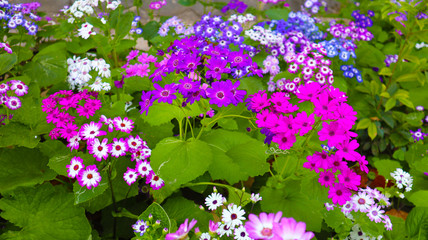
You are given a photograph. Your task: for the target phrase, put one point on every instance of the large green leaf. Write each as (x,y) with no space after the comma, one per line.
(386,167)
(369,56)
(49,66)
(7,61)
(161,113)
(23,167)
(19,135)
(123,25)
(83,194)
(44,212)
(417,223)
(419,198)
(158,213)
(398,229)
(293,203)
(178,162)
(237,156)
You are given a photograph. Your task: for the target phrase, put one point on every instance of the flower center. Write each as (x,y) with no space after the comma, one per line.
(165,93)
(76,167)
(118,148)
(361,201)
(156,178)
(220,95)
(89,176)
(339,192)
(100,148)
(233,216)
(266,232)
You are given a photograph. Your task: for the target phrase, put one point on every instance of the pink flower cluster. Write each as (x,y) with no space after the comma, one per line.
(280,122)
(140,68)
(310,64)
(84,103)
(15,87)
(6,47)
(157,4)
(351,31)
(272,226)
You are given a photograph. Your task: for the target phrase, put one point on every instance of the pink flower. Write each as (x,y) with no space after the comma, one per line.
(130,176)
(89,177)
(346,149)
(99,149)
(123,125)
(326,178)
(303,122)
(76,164)
(339,194)
(182,232)
(262,227)
(288,228)
(333,133)
(155,181)
(349,179)
(284,140)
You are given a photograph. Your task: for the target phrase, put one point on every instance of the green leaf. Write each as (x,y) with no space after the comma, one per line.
(187,3)
(83,194)
(123,25)
(386,167)
(407,77)
(369,56)
(372,130)
(252,85)
(406,102)
(237,156)
(180,209)
(7,61)
(161,113)
(158,213)
(150,30)
(419,198)
(398,229)
(390,104)
(228,124)
(293,203)
(44,212)
(337,220)
(415,118)
(18,135)
(277,13)
(23,167)
(364,123)
(78,45)
(285,165)
(178,162)
(417,223)
(49,66)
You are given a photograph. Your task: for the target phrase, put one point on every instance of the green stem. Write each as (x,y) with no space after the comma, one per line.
(180,126)
(113,199)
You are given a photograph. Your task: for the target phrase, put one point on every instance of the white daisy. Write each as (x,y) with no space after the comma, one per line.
(233,215)
(99,149)
(123,125)
(223,229)
(118,148)
(255,197)
(134,143)
(205,236)
(91,130)
(143,168)
(362,202)
(89,177)
(241,234)
(213,201)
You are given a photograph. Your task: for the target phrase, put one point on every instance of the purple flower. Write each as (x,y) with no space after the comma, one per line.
(217,66)
(165,94)
(187,86)
(146,102)
(238,95)
(220,94)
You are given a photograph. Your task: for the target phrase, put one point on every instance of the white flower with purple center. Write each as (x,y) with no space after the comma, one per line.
(213,201)
(140,227)
(134,143)
(418,135)
(375,213)
(155,181)
(143,168)
(233,215)
(130,176)
(13,103)
(118,148)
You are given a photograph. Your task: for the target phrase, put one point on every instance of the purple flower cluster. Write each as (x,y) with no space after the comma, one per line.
(390,59)
(313,6)
(156,5)
(237,5)
(14,14)
(10,88)
(352,31)
(361,20)
(135,28)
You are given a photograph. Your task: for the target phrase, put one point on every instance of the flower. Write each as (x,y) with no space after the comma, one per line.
(89,177)
(214,200)
(165,94)
(155,181)
(375,213)
(241,234)
(99,149)
(143,168)
(182,231)
(220,94)
(233,215)
(339,194)
(288,228)
(130,176)
(118,148)
(123,125)
(140,227)
(255,197)
(76,164)
(262,227)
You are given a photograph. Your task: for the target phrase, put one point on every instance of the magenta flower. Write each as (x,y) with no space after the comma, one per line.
(89,177)
(284,140)
(182,232)
(146,102)
(123,125)
(165,94)
(346,149)
(339,194)
(118,148)
(99,149)
(76,164)
(217,66)
(288,228)
(333,133)
(326,178)
(91,130)
(68,130)
(349,179)
(303,122)
(262,227)
(130,176)
(220,94)
(257,101)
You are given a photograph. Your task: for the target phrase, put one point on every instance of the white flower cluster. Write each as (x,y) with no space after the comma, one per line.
(86,31)
(79,73)
(178,26)
(242,18)
(358,234)
(265,36)
(421,45)
(402,179)
(82,7)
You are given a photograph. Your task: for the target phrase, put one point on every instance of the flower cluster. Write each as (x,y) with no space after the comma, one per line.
(237,5)
(357,234)
(402,179)
(10,88)
(390,59)
(343,48)
(418,135)
(156,5)
(369,201)
(361,20)
(6,47)
(81,8)
(421,45)
(85,31)
(242,19)
(86,176)
(352,31)
(176,23)
(349,72)
(15,15)
(135,29)
(149,226)
(313,6)
(80,72)
(140,67)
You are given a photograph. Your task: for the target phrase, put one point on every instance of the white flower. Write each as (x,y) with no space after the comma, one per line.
(205,236)
(233,215)
(103,20)
(213,201)
(70,20)
(255,197)
(223,229)
(241,234)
